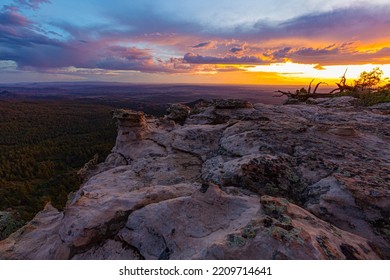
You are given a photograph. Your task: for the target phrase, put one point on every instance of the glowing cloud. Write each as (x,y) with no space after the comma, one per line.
(298,39)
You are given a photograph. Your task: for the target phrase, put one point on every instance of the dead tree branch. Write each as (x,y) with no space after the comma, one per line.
(315,89)
(342,86)
(309,88)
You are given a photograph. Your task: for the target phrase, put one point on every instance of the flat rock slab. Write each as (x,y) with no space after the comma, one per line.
(229,180)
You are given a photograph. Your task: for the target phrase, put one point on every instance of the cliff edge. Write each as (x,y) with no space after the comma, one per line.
(229,180)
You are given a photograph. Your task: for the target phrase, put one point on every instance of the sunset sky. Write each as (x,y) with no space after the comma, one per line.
(188,41)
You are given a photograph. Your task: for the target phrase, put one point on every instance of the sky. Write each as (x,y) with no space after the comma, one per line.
(192,41)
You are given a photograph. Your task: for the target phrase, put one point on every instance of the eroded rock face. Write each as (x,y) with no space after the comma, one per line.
(178,112)
(234,181)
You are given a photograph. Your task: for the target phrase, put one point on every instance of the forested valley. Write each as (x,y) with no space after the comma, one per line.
(43,144)
(45,141)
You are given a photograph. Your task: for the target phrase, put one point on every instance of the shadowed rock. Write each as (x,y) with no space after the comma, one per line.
(235,181)
(232,104)
(178,112)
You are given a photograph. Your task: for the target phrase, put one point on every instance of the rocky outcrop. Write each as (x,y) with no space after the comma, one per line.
(232,181)
(178,112)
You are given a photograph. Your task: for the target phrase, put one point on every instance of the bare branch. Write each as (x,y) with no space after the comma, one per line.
(336,89)
(318,84)
(309,89)
(343,79)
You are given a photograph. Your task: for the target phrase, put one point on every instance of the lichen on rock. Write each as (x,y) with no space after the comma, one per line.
(233,181)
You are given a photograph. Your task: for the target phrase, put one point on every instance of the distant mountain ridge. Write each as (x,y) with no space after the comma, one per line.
(147,93)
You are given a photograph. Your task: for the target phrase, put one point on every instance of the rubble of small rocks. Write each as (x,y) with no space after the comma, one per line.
(229,180)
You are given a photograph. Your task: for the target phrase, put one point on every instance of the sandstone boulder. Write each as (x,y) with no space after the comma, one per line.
(235,181)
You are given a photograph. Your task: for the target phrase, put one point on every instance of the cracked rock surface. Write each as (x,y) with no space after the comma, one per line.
(231,180)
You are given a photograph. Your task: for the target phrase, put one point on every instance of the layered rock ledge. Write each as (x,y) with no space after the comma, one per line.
(229,180)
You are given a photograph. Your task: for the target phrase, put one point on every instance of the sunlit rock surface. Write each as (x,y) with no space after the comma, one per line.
(229,180)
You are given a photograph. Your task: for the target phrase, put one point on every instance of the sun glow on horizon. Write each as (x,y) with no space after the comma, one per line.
(314,71)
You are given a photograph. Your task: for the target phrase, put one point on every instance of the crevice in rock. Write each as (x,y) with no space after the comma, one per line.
(223,152)
(124,157)
(204,187)
(126,245)
(111,228)
(189,153)
(157,143)
(349,252)
(105,231)
(165,255)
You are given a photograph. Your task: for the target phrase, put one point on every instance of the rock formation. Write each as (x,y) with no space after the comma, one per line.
(233,181)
